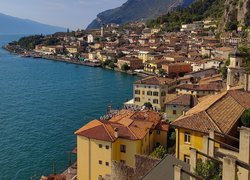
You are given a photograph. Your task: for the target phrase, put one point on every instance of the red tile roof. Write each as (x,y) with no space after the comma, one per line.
(219,112)
(129,124)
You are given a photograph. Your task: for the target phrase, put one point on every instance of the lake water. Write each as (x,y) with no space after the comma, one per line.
(42,103)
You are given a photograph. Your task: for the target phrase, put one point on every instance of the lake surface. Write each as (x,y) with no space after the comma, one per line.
(42,103)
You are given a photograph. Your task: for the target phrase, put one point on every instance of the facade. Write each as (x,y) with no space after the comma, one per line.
(119,139)
(132,62)
(199,90)
(154,65)
(207,64)
(176,68)
(153,90)
(237,75)
(177,105)
(219,112)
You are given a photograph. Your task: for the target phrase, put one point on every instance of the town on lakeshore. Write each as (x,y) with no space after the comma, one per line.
(189,117)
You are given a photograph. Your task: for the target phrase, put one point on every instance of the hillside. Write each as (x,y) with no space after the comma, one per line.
(13,25)
(134,10)
(228,13)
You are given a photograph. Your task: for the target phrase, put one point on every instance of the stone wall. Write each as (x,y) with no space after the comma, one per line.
(143,164)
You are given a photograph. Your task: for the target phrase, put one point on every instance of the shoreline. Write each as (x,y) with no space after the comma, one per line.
(32,54)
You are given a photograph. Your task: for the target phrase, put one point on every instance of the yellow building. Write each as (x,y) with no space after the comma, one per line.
(152,89)
(219,112)
(119,139)
(72,49)
(153,65)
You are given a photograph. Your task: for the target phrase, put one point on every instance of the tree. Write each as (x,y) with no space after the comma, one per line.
(245,118)
(161,72)
(209,170)
(125,67)
(148,105)
(158,152)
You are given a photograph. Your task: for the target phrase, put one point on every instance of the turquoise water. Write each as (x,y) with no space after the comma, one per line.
(42,103)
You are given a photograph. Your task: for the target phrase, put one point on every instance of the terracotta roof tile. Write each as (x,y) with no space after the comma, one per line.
(130,125)
(219,112)
(153,80)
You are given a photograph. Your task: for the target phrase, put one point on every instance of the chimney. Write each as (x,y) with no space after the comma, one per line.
(116,132)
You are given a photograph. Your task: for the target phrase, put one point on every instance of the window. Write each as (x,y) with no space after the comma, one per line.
(158,132)
(123,161)
(100,145)
(187,137)
(123,148)
(163,93)
(155,93)
(149,93)
(158,144)
(186,159)
(137,99)
(174,111)
(143,92)
(100,162)
(107,163)
(137,92)
(107,147)
(155,101)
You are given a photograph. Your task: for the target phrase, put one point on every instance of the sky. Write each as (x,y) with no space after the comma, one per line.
(73,14)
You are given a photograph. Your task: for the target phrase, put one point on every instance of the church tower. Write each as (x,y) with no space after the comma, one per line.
(236,72)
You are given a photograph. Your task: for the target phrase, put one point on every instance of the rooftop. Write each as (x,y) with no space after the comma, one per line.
(132,125)
(154,80)
(219,112)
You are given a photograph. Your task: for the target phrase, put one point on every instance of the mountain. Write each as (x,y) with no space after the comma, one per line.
(229,15)
(134,10)
(14,25)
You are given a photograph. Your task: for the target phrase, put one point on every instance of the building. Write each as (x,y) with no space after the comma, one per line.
(207,64)
(177,105)
(132,62)
(199,90)
(176,69)
(153,65)
(122,137)
(219,112)
(153,89)
(49,49)
(90,38)
(237,74)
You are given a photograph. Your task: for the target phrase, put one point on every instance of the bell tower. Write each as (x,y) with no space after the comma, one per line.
(236,73)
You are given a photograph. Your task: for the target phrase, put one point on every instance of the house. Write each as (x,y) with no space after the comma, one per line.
(199,90)
(176,105)
(153,89)
(230,38)
(207,64)
(132,62)
(202,73)
(153,65)
(90,38)
(223,52)
(122,137)
(49,49)
(176,69)
(220,112)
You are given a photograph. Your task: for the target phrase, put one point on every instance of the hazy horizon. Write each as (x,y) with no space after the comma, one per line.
(73,14)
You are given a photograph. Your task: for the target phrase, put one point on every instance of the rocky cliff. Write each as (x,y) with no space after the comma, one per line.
(134,10)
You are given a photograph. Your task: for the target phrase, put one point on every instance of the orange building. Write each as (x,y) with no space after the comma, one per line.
(176,68)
